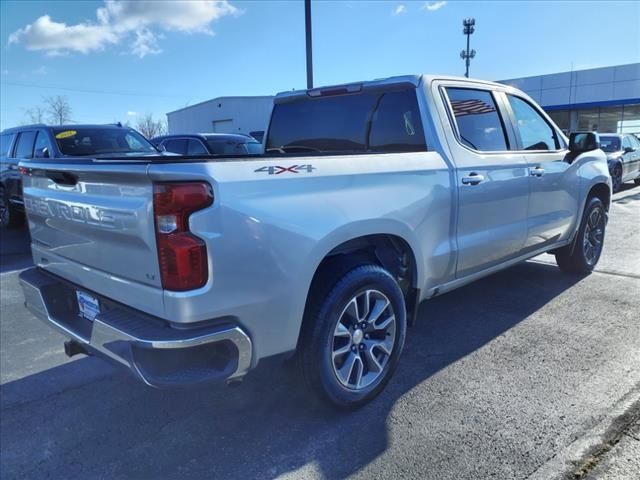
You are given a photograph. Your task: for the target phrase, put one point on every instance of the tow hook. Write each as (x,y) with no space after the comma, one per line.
(71,348)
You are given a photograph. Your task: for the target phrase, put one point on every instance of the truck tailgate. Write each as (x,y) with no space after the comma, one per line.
(96,218)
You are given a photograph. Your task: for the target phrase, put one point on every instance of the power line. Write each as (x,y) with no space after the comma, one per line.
(86,90)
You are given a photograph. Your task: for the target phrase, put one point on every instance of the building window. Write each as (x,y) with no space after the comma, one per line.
(610,119)
(620,119)
(588,120)
(561,119)
(631,119)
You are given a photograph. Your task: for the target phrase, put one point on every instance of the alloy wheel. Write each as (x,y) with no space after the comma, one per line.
(616,179)
(363,339)
(594,236)
(4,210)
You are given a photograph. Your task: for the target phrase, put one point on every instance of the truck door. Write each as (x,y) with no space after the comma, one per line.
(492,182)
(553,182)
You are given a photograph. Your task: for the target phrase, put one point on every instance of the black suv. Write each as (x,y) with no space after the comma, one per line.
(209,144)
(38,142)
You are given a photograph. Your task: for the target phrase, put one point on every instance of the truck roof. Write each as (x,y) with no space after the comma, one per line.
(413,80)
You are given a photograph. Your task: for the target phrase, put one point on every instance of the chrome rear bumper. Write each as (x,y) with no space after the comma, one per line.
(154,351)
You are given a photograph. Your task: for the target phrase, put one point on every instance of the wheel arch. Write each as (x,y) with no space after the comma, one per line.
(601,191)
(391,251)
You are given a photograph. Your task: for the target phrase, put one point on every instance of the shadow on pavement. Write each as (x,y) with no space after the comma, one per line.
(111,426)
(15,249)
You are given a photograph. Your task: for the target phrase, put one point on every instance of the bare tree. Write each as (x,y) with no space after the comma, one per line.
(149,127)
(58,108)
(36,115)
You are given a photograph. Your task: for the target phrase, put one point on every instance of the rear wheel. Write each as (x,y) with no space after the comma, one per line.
(353,337)
(589,242)
(616,178)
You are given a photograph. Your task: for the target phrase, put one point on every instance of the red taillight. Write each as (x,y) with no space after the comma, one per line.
(182,255)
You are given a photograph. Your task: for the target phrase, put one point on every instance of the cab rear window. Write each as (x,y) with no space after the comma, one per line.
(363,122)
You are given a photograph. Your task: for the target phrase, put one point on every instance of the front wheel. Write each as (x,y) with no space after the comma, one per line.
(589,241)
(352,339)
(616,178)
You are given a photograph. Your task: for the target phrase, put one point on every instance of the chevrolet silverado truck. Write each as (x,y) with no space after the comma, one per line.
(369,199)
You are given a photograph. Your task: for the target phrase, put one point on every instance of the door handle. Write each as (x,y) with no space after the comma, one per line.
(536,171)
(472,179)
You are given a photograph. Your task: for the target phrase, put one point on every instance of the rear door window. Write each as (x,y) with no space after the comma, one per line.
(362,122)
(25,145)
(477,118)
(176,145)
(6,141)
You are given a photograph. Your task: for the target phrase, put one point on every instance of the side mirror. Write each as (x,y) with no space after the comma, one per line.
(161,148)
(580,142)
(629,149)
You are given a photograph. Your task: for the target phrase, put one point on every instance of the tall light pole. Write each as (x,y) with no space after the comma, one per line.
(307,28)
(467,55)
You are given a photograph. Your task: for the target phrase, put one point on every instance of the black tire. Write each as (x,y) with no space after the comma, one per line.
(616,178)
(9,216)
(318,358)
(582,260)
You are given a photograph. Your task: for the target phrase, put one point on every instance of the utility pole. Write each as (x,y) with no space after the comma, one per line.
(469,28)
(307,27)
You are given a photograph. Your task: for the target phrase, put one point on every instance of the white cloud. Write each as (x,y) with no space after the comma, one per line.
(56,38)
(433,6)
(42,70)
(131,114)
(146,43)
(399,9)
(183,16)
(122,20)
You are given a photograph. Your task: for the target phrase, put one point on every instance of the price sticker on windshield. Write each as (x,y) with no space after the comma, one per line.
(66,134)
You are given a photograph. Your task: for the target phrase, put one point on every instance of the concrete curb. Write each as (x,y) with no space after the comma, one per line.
(565,461)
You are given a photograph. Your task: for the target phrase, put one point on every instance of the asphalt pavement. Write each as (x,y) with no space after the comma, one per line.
(528,373)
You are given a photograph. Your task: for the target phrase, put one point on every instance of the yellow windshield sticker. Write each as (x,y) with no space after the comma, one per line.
(66,134)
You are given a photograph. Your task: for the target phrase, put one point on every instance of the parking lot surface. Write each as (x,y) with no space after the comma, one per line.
(498,379)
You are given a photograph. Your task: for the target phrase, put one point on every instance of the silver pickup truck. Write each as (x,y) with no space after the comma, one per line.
(370,198)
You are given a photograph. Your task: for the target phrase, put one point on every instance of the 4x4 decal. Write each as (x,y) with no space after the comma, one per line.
(277,170)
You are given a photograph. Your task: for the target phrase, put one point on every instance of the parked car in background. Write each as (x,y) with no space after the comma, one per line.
(37,142)
(209,144)
(623,157)
(370,198)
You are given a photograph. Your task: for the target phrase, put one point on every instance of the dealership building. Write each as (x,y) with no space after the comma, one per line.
(603,99)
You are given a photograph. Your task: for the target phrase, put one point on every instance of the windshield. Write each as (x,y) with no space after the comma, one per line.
(234,147)
(81,141)
(610,144)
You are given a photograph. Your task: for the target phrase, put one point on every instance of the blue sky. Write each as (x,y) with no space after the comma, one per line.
(118,60)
